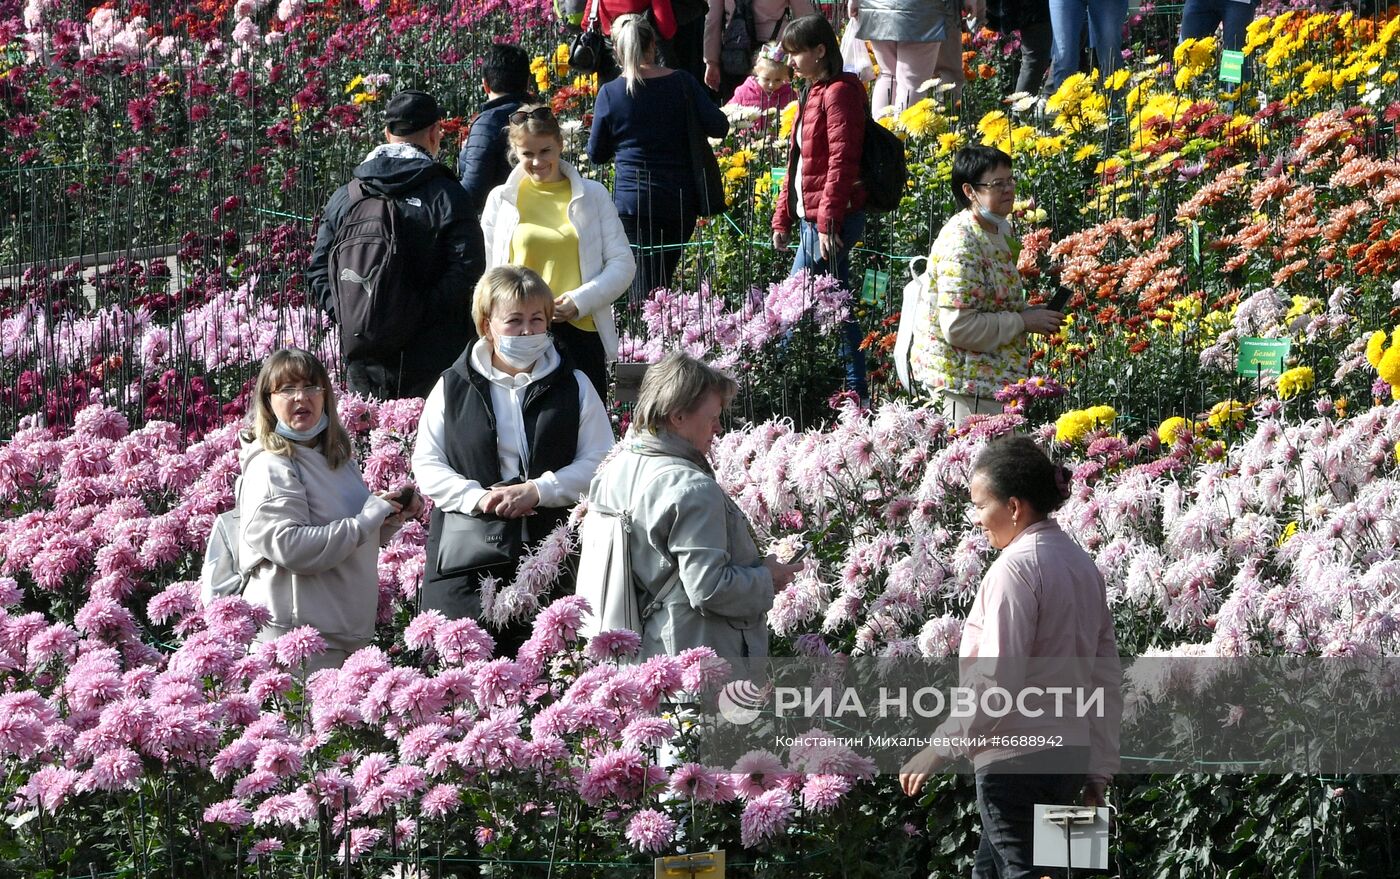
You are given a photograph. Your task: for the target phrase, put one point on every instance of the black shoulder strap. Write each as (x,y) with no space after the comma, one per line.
(778,25)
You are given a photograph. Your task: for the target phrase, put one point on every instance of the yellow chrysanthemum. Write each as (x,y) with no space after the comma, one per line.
(995,129)
(1375,347)
(923,119)
(1389,366)
(1289,531)
(786,120)
(353,84)
(1197,53)
(1295,381)
(1086,152)
(539,68)
(1102,416)
(1072,426)
(1171,429)
(1226,413)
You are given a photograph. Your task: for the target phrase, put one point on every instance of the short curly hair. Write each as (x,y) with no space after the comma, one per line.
(1014,466)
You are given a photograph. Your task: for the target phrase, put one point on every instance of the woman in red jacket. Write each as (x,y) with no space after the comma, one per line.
(823,188)
(609,11)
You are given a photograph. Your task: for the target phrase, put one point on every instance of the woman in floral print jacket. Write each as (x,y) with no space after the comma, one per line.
(970,331)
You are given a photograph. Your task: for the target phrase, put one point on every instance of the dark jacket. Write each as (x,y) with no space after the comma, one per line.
(551,411)
(483,163)
(833,137)
(647,135)
(444,257)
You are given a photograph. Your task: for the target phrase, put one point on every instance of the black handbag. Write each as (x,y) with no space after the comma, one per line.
(709,183)
(589,50)
(471,542)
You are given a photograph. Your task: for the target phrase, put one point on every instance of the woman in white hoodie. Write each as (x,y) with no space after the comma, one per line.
(511,432)
(310,530)
(548,218)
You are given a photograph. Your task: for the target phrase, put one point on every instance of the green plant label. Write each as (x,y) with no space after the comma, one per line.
(1196,242)
(1261,357)
(875,287)
(778,175)
(1232,66)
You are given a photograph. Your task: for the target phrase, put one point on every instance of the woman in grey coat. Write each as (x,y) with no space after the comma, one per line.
(700,577)
(914,41)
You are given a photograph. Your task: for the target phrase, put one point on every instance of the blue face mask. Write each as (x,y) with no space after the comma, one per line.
(301,436)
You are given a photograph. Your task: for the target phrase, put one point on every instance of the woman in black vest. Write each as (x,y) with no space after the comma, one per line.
(511,432)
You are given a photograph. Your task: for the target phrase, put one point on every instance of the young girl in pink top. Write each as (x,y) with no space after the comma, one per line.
(769,87)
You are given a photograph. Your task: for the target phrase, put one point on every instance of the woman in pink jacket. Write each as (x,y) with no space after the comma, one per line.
(1040,622)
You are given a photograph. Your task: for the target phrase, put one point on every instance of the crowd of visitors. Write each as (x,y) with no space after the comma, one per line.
(490,292)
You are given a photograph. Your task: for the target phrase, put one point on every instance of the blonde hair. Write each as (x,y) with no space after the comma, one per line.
(776,65)
(508,285)
(280,367)
(532,127)
(634,39)
(675,386)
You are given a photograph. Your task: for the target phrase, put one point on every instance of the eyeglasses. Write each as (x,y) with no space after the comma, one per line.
(289,392)
(1003,183)
(543,114)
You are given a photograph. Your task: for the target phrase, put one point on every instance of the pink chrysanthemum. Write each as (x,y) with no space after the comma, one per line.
(765,816)
(299,645)
(822,793)
(614,644)
(441,800)
(230,812)
(263,847)
(650,831)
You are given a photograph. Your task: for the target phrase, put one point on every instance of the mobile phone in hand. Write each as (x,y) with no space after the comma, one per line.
(800,554)
(405,496)
(1060,299)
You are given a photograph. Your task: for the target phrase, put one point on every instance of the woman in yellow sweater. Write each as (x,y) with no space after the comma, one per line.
(548,218)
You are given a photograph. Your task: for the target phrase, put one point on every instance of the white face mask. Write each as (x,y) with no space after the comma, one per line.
(521,352)
(1000,221)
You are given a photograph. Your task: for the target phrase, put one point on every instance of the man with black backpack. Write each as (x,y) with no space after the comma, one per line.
(397,254)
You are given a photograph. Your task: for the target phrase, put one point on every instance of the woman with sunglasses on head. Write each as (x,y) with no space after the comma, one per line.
(970,330)
(641,120)
(548,218)
(310,530)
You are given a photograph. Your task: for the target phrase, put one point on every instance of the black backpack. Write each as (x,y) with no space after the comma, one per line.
(376,311)
(882,167)
(736,45)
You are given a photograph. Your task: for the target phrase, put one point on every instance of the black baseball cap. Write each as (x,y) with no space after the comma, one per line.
(411,110)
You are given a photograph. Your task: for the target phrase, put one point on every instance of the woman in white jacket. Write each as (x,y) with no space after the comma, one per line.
(310,530)
(546,217)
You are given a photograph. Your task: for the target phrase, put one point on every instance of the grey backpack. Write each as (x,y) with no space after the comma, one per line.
(221,575)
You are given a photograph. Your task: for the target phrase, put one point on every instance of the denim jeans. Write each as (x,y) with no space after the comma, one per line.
(1006,799)
(809,257)
(1200,18)
(1106,18)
